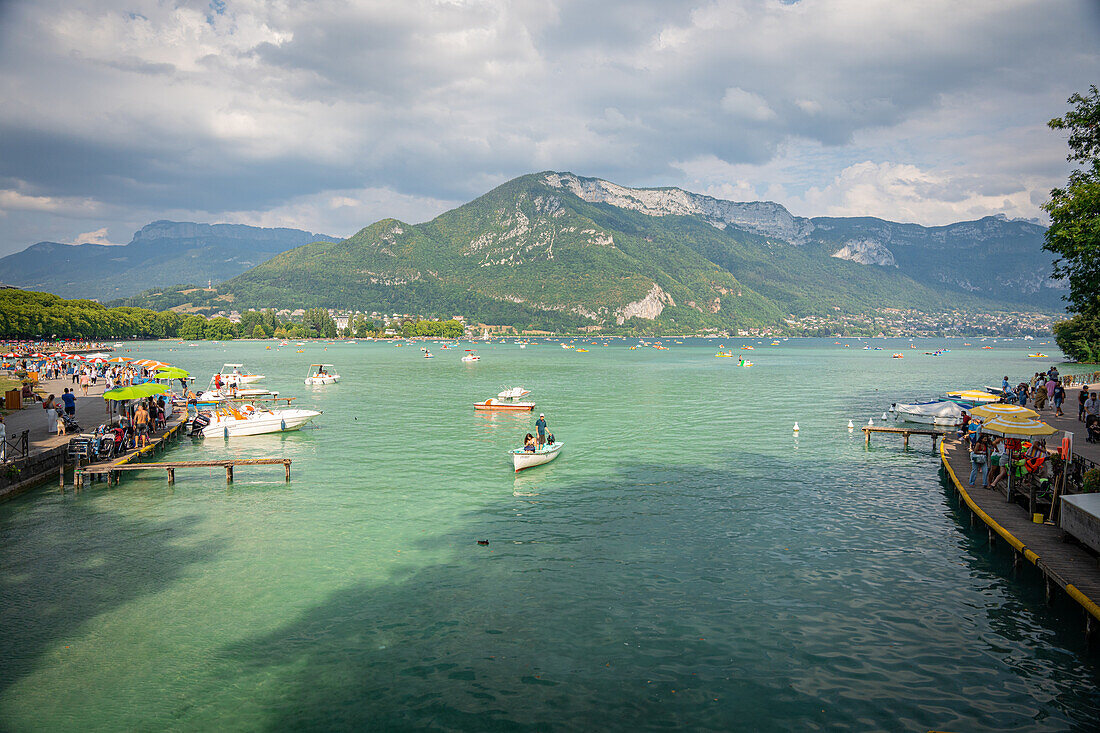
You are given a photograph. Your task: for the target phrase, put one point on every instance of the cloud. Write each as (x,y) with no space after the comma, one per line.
(255,109)
(99,236)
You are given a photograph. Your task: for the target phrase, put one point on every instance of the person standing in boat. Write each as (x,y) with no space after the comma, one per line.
(540,428)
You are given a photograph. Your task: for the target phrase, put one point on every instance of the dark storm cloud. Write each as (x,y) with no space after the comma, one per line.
(250,106)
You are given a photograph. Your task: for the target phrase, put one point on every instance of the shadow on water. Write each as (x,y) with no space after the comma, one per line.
(57,575)
(637,607)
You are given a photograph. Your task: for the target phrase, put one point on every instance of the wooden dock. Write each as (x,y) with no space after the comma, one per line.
(1063,565)
(905,433)
(112,469)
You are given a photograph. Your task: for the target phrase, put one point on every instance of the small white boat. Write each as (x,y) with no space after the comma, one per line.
(522,459)
(428,354)
(232,420)
(513,393)
(944,413)
(471,357)
(226,394)
(232,373)
(320,374)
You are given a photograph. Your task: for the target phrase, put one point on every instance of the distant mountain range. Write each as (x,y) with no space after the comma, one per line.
(161,253)
(559,251)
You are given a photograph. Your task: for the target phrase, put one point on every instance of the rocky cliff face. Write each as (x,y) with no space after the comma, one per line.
(758,217)
(866,252)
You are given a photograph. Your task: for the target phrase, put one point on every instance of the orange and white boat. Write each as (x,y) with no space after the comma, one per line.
(495,405)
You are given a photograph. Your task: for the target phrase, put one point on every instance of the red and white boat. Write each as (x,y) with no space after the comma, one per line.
(493,405)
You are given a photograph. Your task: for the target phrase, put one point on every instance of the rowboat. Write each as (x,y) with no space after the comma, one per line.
(522,459)
(495,405)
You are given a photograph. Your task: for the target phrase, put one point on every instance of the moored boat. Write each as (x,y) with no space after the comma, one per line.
(234,420)
(522,459)
(938,412)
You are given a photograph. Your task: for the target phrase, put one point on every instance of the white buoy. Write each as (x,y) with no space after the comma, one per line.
(851,426)
(796,427)
(870,421)
(884,416)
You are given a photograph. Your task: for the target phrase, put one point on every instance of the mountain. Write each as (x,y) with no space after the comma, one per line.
(161,253)
(560,251)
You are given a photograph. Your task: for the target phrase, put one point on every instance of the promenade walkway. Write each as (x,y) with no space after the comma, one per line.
(90,412)
(1070,423)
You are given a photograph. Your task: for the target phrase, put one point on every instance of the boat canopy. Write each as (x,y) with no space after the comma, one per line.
(320,365)
(943,408)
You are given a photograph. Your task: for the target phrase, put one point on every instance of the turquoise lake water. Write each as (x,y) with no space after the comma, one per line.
(686,563)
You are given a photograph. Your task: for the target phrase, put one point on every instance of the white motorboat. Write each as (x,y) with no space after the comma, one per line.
(226,394)
(321,374)
(943,413)
(513,393)
(234,373)
(471,357)
(428,354)
(522,459)
(234,420)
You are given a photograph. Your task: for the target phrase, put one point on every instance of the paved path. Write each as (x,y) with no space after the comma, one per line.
(90,412)
(1069,422)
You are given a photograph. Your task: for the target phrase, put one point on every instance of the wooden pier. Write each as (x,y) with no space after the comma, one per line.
(905,433)
(113,469)
(1063,565)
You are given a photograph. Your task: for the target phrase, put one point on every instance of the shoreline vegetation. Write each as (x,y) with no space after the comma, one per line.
(36,315)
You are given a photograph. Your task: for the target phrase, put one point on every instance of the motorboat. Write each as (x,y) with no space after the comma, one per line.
(898,356)
(1040,355)
(471,357)
(726,354)
(428,354)
(234,373)
(320,374)
(943,413)
(495,405)
(522,459)
(233,420)
(214,397)
(513,393)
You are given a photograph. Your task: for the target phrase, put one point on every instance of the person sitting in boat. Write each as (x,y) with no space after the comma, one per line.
(529,443)
(321,370)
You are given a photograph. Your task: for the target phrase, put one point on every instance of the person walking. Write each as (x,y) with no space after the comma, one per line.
(979,461)
(141,422)
(69,398)
(48,406)
(1082,397)
(85,379)
(1092,406)
(540,427)
(1058,397)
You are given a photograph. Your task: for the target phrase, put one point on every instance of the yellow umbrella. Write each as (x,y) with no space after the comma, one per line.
(988,412)
(1017,426)
(974,395)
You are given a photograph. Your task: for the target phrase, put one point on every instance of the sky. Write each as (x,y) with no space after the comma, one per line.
(329,115)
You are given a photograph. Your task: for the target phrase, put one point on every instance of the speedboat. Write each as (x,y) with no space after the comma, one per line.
(938,412)
(495,405)
(428,354)
(727,354)
(233,373)
(319,374)
(513,393)
(522,459)
(471,357)
(215,397)
(234,420)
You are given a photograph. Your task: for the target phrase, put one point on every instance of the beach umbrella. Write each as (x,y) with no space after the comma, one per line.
(988,412)
(974,395)
(10,355)
(148,389)
(172,373)
(37,355)
(97,360)
(124,393)
(119,360)
(1017,426)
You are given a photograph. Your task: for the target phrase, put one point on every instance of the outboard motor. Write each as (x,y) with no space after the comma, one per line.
(201,421)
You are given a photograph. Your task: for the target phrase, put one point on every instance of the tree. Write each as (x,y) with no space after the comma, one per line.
(1074,233)
(258,332)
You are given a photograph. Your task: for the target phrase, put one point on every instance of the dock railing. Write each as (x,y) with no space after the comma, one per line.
(15,447)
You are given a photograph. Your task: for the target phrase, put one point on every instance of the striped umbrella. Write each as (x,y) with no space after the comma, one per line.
(119,360)
(988,412)
(1016,426)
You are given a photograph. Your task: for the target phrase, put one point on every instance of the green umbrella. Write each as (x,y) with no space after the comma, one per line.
(124,393)
(172,373)
(148,389)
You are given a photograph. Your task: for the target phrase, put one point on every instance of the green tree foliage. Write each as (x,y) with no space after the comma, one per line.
(1074,234)
(258,332)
